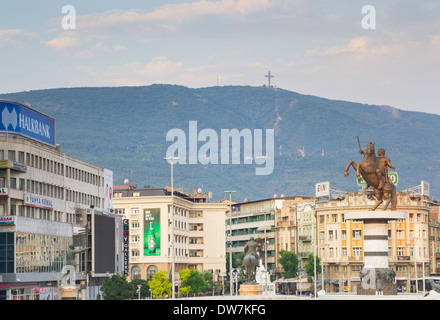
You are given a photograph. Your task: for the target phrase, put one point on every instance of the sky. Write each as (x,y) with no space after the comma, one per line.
(327,48)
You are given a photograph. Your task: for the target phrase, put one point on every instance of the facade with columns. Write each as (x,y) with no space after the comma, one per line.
(341,244)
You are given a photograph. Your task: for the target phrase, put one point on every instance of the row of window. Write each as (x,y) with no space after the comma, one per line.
(32,252)
(51,166)
(357,234)
(357,251)
(335,218)
(32,212)
(34,187)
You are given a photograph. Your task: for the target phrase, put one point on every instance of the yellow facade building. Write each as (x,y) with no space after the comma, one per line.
(340,241)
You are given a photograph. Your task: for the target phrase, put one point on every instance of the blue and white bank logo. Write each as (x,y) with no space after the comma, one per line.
(20,119)
(9,118)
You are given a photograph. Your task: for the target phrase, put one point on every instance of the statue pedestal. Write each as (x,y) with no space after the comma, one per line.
(69,292)
(250,290)
(377,278)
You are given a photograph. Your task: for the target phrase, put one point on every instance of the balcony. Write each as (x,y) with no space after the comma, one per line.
(356,259)
(305,238)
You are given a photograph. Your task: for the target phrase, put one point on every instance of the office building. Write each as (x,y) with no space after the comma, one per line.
(41,191)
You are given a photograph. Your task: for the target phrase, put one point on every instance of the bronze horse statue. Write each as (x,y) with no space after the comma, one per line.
(368,167)
(250,260)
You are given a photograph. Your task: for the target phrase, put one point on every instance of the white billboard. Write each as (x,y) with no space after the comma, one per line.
(322,189)
(108,190)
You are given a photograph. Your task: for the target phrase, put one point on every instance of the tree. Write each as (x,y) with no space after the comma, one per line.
(145,292)
(196,281)
(117,288)
(309,266)
(160,285)
(185,288)
(289,261)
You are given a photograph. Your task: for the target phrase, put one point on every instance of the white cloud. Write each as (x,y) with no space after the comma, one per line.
(356,45)
(174,13)
(15,38)
(64,42)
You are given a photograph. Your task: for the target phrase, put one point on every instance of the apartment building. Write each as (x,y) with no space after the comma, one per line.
(272,220)
(199,230)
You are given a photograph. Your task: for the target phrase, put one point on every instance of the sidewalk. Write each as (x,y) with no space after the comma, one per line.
(322,297)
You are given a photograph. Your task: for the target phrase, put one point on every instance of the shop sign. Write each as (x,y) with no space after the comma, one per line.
(38,202)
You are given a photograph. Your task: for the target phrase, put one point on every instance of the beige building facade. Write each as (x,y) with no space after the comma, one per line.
(199,231)
(340,241)
(294,222)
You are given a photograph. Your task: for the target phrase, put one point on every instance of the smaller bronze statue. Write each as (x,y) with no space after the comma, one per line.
(251,260)
(384,163)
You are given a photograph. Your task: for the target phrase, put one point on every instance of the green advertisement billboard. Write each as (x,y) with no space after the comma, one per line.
(394,178)
(151,232)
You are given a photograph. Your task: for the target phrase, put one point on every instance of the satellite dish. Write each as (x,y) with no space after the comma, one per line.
(126,181)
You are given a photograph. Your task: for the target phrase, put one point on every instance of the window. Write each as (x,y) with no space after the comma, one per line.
(7,250)
(21,184)
(330,234)
(151,270)
(13,183)
(344,251)
(135,225)
(11,155)
(135,272)
(357,234)
(400,251)
(357,251)
(21,156)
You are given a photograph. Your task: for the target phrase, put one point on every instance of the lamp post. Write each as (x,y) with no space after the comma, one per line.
(139,291)
(230,240)
(423,264)
(409,269)
(315,243)
(171,162)
(325,249)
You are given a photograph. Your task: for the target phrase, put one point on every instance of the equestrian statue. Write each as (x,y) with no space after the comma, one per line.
(374,170)
(250,260)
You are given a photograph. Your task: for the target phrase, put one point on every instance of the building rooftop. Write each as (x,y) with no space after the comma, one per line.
(131,190)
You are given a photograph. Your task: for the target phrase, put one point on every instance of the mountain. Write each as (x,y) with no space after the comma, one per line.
(124,129)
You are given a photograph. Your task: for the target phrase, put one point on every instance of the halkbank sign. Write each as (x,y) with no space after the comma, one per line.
(20,119)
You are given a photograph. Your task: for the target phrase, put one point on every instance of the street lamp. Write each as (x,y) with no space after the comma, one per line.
(171,162)
(230,239)
(415,266)
(324,247)
(139,291)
